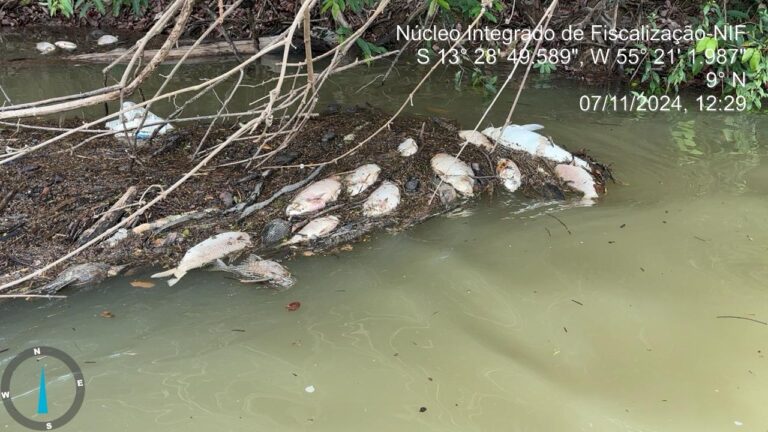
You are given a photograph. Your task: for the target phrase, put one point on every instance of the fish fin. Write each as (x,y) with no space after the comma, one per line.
(54,287)
(164,274)
(532,127)
(219,265)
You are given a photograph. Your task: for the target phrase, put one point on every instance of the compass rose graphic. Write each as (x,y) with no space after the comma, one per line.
(7,396)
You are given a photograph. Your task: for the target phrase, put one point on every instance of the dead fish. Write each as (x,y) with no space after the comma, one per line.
(45,47)
(315,229)
(207,251)
(509,174)
(577,178)
(255,269)
(524,138)
(314,197)
(408,148)
(65,45)
(106,40)
(383,200)
(454,172)
(476,138)
(81,275)
(361,178)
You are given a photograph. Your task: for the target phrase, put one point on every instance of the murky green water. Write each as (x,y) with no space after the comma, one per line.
(499,318)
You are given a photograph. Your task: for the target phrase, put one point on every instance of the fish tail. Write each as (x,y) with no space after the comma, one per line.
(179,275)
(164,274)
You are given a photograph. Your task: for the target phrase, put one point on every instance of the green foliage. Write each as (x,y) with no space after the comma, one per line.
(714,62)
(83,7)
(338,6)
(485,81)
(367,48)
(545,67)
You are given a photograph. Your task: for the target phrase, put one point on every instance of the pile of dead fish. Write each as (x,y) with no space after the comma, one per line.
(456,176)
(571,170)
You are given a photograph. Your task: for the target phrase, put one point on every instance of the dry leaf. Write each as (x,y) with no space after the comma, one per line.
(142,284)
(106,314)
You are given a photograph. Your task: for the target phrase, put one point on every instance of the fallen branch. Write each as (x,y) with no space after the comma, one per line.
(162,224)
(109,218)
(284,190)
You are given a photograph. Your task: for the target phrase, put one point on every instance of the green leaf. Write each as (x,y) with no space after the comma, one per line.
(754,62)
(733,13)
(698,65)
(432,8)
(747,55)
(99,6)
(712,45)
(701,45)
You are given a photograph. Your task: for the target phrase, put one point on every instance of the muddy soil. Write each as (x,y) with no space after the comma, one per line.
(56,194)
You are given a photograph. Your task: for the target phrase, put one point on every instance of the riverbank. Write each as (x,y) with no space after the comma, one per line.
(57,195)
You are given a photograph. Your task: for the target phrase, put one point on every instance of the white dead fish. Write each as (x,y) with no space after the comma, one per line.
(314,197)
(476,138)
(509,174)
(65,45)
(361,178)
(454,172)
(255,269)
(524,138)
(383,200)
(408,148)
(315,229)
(207,251)
(106,40)
(45,47)
(577,178)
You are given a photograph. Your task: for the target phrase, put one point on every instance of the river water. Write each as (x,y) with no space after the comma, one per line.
(625,316)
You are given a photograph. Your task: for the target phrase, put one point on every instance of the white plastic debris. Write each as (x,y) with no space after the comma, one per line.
(130,120)
(524,138)
(454,172)
(45,47)
(309,389)
(509,174)
(408,148)
(106,40)
(349,138)
(361,178)
(65,45)
(383,200)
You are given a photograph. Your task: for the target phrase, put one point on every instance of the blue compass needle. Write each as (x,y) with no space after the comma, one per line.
(42,398)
